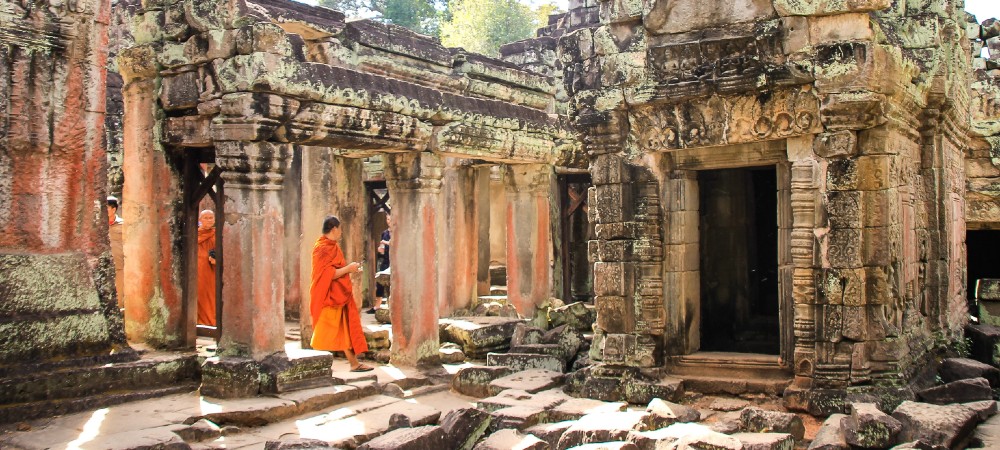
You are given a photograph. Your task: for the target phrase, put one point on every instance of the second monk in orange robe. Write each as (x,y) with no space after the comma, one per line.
(335,317)
(206,268)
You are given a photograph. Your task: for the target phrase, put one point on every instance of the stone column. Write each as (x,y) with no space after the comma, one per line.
(498,218)
(414,181)
(154,310)
(253,266)
(331,184)
(459,267)
(529,236)
(483,208)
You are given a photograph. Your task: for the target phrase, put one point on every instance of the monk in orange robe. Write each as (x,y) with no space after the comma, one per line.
(206,268)
(335,317)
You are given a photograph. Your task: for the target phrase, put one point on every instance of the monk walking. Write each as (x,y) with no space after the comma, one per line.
(117,254)
(206,268)
(335,317)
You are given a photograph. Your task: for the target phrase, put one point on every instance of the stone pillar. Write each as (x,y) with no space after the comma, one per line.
(498,218)
(154,309)
(253,258)
(460,250)
(414,181)
(483,209)
(331,184)
(529,236)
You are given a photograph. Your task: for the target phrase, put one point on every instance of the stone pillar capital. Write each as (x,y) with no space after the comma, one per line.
(532,178)
(414,171)
(138,63)
(253,165)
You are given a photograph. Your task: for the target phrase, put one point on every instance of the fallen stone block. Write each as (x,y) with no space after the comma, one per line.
(517,417)
(663,413)
(868,427)
(576,408)
(530,381)
(961,391)
(727,423)
(607,446)
(451,355)
(201,430)
(298,444)
(511,440)
(525,361)
(918,445)
(756,420)
(946,425)
(550,432)
(602,427)
(475,381)
(540,349)
(377,339)
(690,435)
(306,369)
(479,336)
(766,441)
(420,438)
(516,397)
(640,391)
(569,339)
(577,315)
(525,334)
(230,377)
(397,421)
(383,316)
(954,369)
(984,409)
(393,390)
(985,343)
(465,426)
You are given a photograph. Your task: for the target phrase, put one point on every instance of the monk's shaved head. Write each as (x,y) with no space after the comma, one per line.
(207,212)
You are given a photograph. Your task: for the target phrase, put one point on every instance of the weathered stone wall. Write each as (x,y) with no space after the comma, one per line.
(863,110)
(56,274)
(119,37)
(982,157)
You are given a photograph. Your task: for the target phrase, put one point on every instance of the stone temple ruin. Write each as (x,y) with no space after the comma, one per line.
(789,197)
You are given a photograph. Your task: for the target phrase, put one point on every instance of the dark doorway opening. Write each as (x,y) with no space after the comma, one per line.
(378,211)
(739,260)
(983,247)
(576,232)
(204,191)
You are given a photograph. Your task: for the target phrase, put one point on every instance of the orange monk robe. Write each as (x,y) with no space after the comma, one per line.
(206,277)
(335,317)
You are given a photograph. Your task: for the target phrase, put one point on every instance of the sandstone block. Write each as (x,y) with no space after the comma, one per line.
(602,427)
(465,426)
(451,355)
(475,381)
(961,391)
(297,444)
(307,369)
(230,377)
(607,446)
(526,334)
(480,335)
(868,427)
(511,439)
(954,369)
(830,436)
(525,361)
(948,425)
(663,413)
(766,441)
(984,409)
(518,417)
(576,408)
(516,397)
(201,430)
(550,432)
(531,381)
(578,316)
(758,420)
(430,437)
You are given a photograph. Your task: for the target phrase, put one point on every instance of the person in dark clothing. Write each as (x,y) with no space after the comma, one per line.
(381,292)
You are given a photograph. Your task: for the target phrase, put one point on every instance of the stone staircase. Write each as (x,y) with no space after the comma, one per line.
(65,388)
(730,373)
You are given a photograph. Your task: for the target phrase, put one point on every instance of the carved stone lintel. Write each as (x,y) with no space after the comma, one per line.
(254,165)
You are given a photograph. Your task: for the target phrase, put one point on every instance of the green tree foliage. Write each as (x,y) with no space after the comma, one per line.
(482,26)
(418,15)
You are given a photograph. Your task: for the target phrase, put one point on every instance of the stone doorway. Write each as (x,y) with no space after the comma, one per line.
(739,260)
(204,191)
(575,232)
(982,246)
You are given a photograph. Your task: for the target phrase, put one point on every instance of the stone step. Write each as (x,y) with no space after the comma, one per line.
(75,389)
(498,290)
(730,373)
(483,299)
(258,411)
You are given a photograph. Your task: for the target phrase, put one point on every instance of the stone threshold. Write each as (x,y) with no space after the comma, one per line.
(730,373)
